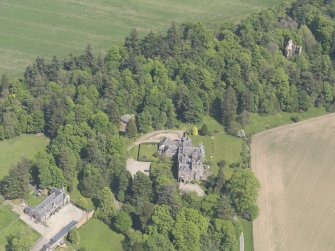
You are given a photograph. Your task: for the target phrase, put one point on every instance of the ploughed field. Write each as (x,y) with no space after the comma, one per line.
(296,168)
(29,28)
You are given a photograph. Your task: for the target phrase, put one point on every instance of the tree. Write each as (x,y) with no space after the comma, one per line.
(224,233)
(106,208)
(20,241)
(67,161)
(158,242)
(122,222)
(229,106)
(131,128)
(142,187)
(162,221)
(73,236)
(243,189)
(15,184)
(204,130)
(190,225)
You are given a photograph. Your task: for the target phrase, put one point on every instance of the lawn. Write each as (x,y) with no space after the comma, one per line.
(147,151)
(97,236)
(259,123)
(10,224)
(76,196)
(12,150)
(48,27)
(246,227)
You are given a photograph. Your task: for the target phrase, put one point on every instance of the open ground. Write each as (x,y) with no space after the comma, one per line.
(295,166)
(47,27)
(12,150)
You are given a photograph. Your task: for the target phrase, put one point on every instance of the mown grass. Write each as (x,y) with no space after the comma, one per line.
(11,224)
(246,228)
(147,151)
(47,27)
(24,146)
(97,236)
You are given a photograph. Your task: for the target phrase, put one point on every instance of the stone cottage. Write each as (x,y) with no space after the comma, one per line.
(56,200)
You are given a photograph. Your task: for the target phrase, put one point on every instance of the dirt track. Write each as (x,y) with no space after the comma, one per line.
(296,167)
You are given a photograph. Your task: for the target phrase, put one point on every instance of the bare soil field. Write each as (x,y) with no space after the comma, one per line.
(296,168)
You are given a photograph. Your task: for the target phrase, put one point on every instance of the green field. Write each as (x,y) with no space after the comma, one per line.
(12,150)
(10,224)
(260,123)
(97,236)
(47,27)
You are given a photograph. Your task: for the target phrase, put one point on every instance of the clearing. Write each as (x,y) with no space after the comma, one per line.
(96,235)
(295,166)
(47,27)
(24,146)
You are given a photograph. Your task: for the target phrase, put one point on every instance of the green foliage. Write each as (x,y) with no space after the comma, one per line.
(225,233)
(106,209)
(162,221)
(11,226)
(15,184)
(190,225)
(142,186)
(157,242)
(122,222)
(229,106)
(20,241)
(73,236)
(204,130)
(131,129)
(243,188)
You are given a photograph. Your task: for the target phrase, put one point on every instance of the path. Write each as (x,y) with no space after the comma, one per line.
(242,242)
(156,136)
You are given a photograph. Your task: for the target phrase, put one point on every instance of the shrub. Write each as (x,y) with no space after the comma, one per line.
(234,165)
(204,130)
(296,118)
(222,163)
(122,222)
(73,236)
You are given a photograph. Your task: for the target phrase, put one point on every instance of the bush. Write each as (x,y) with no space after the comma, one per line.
(204,130)
(234,165)
(73,236)
(156,154)
(296,118)
(222,163)
(122,222)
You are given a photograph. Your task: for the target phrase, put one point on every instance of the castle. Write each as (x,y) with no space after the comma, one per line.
(190,158)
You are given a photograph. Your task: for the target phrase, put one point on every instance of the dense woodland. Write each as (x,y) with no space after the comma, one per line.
(165,79)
